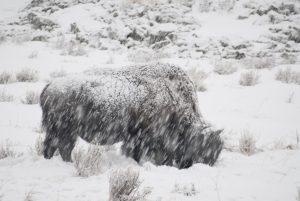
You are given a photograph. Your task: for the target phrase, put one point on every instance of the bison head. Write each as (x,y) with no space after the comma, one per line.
(199,145)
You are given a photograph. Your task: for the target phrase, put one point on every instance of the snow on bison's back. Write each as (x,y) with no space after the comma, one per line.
(151,108)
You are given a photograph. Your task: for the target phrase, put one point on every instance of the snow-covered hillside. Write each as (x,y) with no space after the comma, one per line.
(243,56)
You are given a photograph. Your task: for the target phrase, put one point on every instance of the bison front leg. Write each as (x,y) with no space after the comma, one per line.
(132,149)
(66,145)
(50,145)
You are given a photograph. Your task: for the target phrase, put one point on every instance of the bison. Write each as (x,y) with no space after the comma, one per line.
(152,109)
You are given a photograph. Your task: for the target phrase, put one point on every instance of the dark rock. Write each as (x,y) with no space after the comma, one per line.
(115,14)
(241,46)
(40,38)
(135,36)
(40,23)
(74,28)
(81,39)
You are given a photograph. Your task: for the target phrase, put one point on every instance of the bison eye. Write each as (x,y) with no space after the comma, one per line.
(171,77)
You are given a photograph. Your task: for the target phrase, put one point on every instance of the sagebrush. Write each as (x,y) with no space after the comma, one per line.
(5,97)
(249,78)
(288,76)
(6,150)
(31,97)
(186,190)
(27,75)
(6,77)
(198,78)
(124,185)
(247,143)
(224,68)
(88,162)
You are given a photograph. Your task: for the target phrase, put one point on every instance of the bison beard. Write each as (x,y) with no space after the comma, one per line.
(151,108)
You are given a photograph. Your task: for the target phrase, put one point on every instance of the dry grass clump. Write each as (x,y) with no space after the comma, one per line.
(266,62)
(247,143)
(6,150)
(186,190)
(88,162)
(27,75)
(58,73)
(198,77)
(74,48)
(289,58)
(29,196)
(224,68)
(124,185)
(31,97)
(6,77)
(281,144)
(5,97)
(144,55)
(260,62)
(216,5)
(249,78)
(39,145)
(288,76)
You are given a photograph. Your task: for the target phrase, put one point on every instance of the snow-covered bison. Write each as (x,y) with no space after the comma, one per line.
(151,108)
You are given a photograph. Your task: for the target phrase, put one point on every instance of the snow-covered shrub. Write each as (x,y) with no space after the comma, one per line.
(31,97)
(58,73)
(124,185)
(21,38)
(288,76)
(247,143)
(5,77)
(88,162)
(260,62)
(27,75)
(6,150)
(186,190)
(5,97)
(278,145)
(198,78)
(39,145)
(214,5)
(146,55)
(60,41)
(281,144)
(249,78)
(289,58)
(126,3)
(224,68)
(74,48)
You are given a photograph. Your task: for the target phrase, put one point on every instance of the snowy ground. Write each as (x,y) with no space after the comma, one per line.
(269,110)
